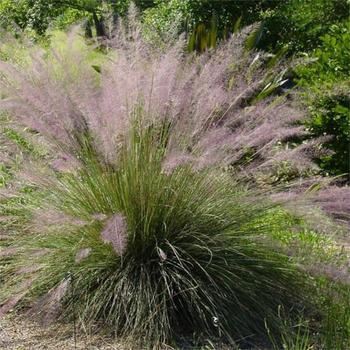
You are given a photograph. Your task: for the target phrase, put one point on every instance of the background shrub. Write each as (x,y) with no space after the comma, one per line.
(300,24)
(326,79)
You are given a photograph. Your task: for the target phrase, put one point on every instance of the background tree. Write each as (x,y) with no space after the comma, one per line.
(37,15)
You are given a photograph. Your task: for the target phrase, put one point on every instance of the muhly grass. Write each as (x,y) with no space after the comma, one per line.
(154,256)
(146,214)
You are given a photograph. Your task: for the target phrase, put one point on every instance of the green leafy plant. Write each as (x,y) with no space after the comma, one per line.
(300,24)
(326,80)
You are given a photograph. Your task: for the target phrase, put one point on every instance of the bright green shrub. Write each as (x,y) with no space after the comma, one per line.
(327,84)
(13,12)
(28,14)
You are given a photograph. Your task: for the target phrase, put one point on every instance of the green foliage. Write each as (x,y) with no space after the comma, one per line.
(331,59)
(38,15)
(165,17)
(196,17)
(333,332)
(29,14)
(301,23)
(11,11)
(329,327)
(331,116)
(293,336)
(69,17)
(203,38)
(327,82)
(334,301)
(297,24)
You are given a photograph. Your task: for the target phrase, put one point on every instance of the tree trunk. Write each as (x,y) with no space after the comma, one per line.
(100,30)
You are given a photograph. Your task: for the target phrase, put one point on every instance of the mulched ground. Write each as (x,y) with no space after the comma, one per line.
(17,333)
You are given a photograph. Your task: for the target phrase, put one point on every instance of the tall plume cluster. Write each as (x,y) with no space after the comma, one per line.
(212,103)
(208,100)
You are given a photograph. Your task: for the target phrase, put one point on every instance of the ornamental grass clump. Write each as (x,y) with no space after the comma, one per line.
(131,219)
(151,255)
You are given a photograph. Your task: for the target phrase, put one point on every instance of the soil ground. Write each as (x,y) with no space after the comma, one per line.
(17,333)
